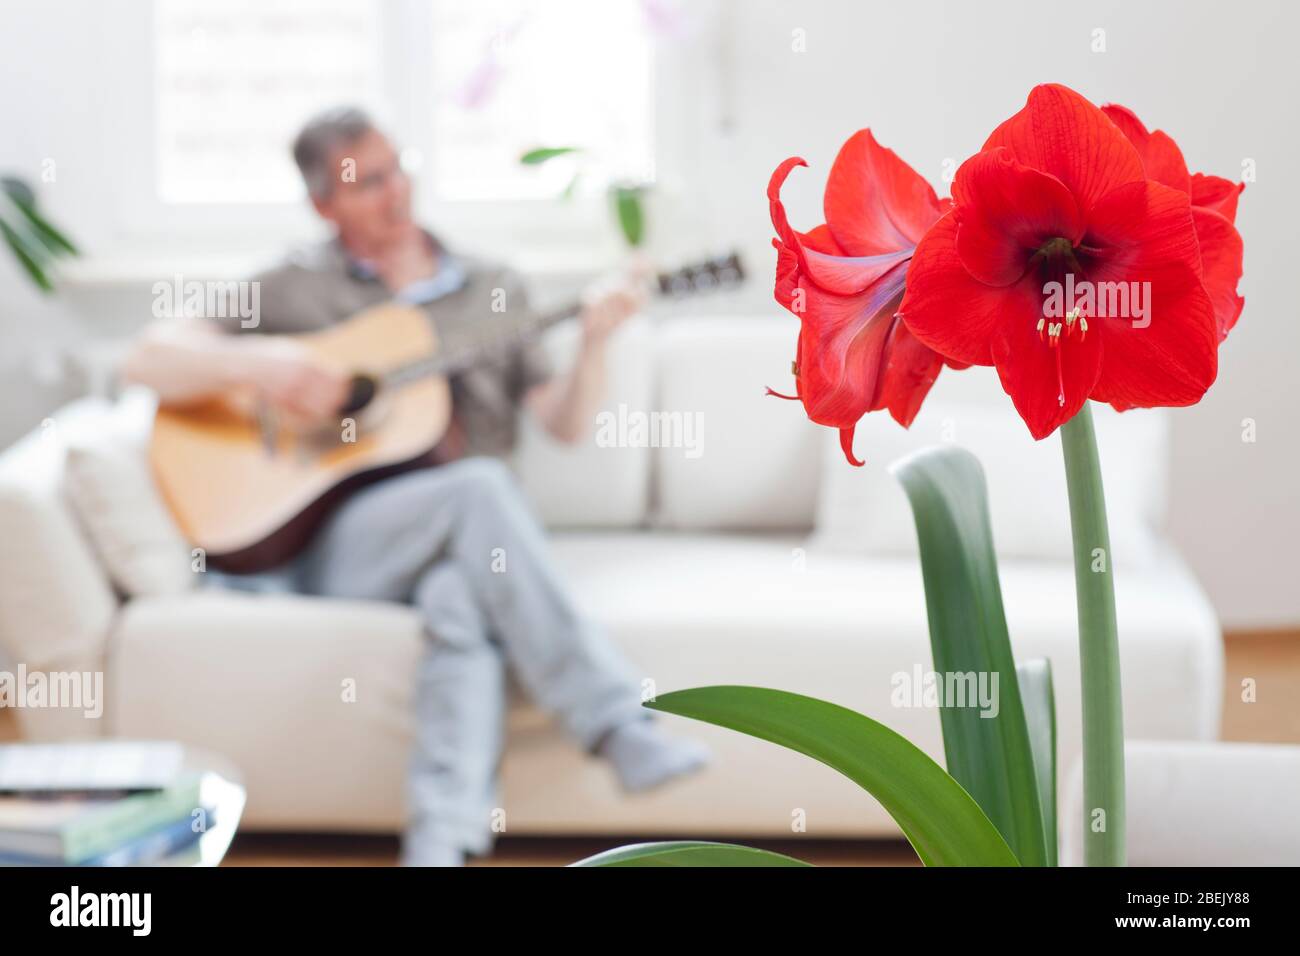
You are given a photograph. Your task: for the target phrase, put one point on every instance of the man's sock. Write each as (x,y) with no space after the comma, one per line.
(645,757)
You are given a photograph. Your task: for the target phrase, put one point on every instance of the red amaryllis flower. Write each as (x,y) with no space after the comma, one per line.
(1214,210)
(844,281)
(1058,203)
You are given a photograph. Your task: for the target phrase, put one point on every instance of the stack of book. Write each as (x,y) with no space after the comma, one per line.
(99,804)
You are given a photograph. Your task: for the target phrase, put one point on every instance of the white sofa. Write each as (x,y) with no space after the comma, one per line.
(698,565)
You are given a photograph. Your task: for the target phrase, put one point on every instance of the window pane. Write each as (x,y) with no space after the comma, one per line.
(236,79)
(512,75)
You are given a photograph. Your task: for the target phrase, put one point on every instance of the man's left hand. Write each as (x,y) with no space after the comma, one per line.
(606,306)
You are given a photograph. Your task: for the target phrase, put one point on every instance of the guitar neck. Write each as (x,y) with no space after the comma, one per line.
(712,274)
(444,365)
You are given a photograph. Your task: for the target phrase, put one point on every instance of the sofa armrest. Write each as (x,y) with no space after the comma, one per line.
(1200,804)
(56,604)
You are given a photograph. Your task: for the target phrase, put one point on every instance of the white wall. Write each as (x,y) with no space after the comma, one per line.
(931,78)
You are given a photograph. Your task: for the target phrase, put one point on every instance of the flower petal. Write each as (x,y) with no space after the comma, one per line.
(1061,133)
(817,254)
(774,185)
(950,311)
(1216,193)
(1047,384)
(875,203)
(841,349)
(846,443)
(819,239)
(1005,211)
(1161,158)
(787,273)
(1143,233)
(850,275)
(910,371)
(1221,253)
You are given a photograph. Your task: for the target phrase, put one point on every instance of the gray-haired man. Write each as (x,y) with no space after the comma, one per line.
(428,538)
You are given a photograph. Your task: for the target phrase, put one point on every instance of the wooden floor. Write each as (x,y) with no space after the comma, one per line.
(1266,665)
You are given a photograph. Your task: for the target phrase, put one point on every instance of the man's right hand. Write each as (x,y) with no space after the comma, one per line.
(190,360)
(295,382)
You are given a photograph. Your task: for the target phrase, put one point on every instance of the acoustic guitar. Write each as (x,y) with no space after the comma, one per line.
(251,491)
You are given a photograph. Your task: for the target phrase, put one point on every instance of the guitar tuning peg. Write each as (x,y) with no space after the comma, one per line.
(718,272)
(726,270)
(738,265)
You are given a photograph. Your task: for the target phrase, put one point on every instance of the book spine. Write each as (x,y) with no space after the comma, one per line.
(128,819)
(152,846)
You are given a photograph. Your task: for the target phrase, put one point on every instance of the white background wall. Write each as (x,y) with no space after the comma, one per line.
(931,79)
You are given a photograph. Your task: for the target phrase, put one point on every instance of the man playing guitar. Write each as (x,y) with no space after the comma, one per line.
(430,537)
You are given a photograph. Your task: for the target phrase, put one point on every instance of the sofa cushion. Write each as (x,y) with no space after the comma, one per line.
(118,504)
(593,484)
(754,461)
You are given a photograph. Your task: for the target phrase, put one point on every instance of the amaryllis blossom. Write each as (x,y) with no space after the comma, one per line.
(844,280)
(1059,196)
(1214,212)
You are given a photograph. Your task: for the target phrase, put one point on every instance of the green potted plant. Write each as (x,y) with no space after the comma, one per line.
(35,242)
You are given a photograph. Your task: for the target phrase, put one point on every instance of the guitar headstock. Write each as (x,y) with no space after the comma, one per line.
(720,272)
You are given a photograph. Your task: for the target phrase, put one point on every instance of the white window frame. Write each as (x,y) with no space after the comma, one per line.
(500,227)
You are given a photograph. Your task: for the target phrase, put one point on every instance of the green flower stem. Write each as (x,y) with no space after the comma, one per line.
(1103,712)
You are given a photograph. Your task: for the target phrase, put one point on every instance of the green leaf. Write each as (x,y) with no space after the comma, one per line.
(631,216)
(1040,714)
(535,157)
(988,755)
(688,853)
(17,189)
(41,228)
(32,260)
(38,227)
(944,825)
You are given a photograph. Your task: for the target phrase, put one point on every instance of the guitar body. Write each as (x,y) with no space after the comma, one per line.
(251,494)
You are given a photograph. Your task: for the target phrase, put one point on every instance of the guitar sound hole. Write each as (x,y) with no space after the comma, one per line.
(362,393)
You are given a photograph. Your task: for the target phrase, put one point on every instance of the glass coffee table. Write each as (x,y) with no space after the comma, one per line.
(221,789)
